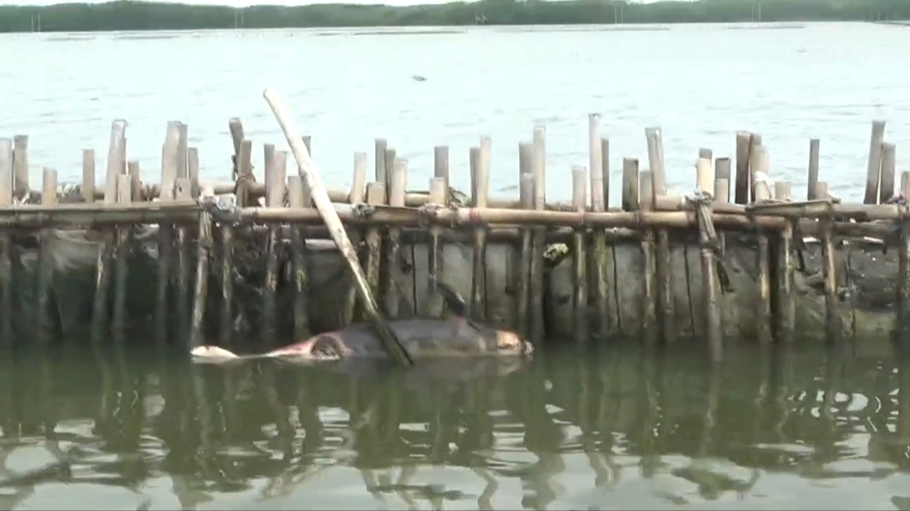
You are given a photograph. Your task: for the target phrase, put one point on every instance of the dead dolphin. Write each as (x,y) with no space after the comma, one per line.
(421,337)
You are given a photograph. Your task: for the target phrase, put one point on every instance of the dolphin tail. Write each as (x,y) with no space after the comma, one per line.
(454,301)
(213,354)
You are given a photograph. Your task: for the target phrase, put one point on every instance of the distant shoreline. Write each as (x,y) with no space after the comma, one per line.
(131,15)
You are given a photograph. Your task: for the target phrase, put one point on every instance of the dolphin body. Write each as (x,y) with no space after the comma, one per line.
(421,337)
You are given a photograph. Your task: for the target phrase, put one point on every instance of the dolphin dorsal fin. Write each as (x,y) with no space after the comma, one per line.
(454,302)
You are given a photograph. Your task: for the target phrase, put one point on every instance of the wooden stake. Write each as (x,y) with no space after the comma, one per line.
(580,258)
(706,182)
(600,267)
(889,168)
(88,175)
(375,197)
(275,179)
(480,186)
(814,149)
(20,167)
(44,321)
(649,286)
(165,232)
(6,273)
(762,193)
(121,262)
(183,191)
(743,140)
(664,271)
(902,329)
(786,306)
(299,199)
(438,193)
(398,180)
(357,196)
(832,321)
(203,250)
(874,165)
(526,193)
(539,170)
(441,164)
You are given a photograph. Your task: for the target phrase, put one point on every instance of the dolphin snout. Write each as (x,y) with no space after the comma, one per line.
(511,342)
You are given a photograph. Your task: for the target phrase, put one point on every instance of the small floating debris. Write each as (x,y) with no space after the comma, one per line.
(419,78)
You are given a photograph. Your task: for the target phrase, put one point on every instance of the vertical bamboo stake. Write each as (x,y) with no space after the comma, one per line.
(121,261)
(441,165)
(706,154)
(358,196)
(245,176)
(649,292)
(762,193)
(722,195)
(599,266)
(203,249)
(275,179)
(889,168)
(539,169)
(135,180)
(103,280)
(116,157)
(874,165)
(706,182)
(390,155)
(299,199)
(192,169)
(226,323)
(832,321)
(165,231)
(399,183)
(663,268)
(814,149)
(438,194)
(44,323)
(380,145)
(786,313)
(375,197)
(629,202)
(526,194)
(755,141)
(580,259)
(902,329)
(88,175)
(6,199)
(742,167)
(183,191)
(480,180)
(20,167)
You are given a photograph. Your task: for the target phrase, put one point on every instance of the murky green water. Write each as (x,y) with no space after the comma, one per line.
(608,429)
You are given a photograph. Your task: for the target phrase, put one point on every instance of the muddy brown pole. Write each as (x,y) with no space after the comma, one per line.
(307,168)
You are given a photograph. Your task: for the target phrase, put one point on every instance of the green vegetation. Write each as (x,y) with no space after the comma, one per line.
(133,15)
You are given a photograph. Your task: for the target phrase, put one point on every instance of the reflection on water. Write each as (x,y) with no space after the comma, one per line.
(619,428)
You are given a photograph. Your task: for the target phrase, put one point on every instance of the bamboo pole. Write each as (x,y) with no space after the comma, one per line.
(88,175)
(649,326)
(44,322)
(358,196)
(183,191)
(832,321)
(814,149)
(323,204)
(786,305)
(539,170)
(203,249)
(889,169)
(275,179)
(664,271)
(434,303)
(298,199)
(743,139)
(762,193)
(393,298)
(20,167)
(580,258)
(480,185)
(6,273)
(526,191)
(599,264)
(121,263)
(165,232)
(706,183)
(874,164)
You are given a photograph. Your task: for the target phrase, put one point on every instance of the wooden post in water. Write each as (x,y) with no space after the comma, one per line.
(707,238)
(629,202)
(6,272)
(116,162)
(786,306)
(580,257)
(136,180)
(45,323)
(480,186)
(390,156)
(814,151)
(743,179)
(165,232)
(762,193)
(600,266)
(357,196)
(398,181)
(299,199)
(902,330)
(121,261)
(226,319)
(649,326)
(722,195)
(20,167)
(889,168)
(438,193)
(88,175)
(380,146)
(183,191)
(441,165)
(832,321)
(664,272)
(874,165)
(275,179)
(373,264)
(203,250)
(539,169)
(526,194)
(755,142)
